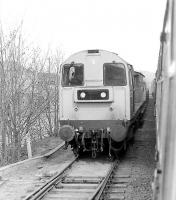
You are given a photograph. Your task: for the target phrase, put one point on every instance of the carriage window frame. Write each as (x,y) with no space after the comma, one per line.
(104,74)
(75,64)
(130,78)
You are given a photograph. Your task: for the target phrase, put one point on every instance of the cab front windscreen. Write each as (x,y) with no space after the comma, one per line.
(72,75)
(114,74)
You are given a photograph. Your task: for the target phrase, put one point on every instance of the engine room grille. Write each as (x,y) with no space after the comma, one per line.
(102,94)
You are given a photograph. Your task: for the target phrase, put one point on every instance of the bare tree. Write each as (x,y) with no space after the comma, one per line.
(28,95)
(49,84)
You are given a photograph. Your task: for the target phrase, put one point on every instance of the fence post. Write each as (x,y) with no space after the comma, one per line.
(28,141)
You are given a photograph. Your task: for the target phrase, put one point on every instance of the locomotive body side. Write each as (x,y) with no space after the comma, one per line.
(140,90)
(98,105)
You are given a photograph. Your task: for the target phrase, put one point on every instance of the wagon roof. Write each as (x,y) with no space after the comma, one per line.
(138,73)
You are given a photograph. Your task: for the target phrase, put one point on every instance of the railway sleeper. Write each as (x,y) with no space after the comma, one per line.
(76,186)
(85,180)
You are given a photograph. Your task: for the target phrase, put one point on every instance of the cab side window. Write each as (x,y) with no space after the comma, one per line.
(72,74)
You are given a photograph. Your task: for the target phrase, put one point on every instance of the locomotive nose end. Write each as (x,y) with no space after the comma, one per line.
(66,133)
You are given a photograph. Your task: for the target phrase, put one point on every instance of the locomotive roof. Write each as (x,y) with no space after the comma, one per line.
(94,51)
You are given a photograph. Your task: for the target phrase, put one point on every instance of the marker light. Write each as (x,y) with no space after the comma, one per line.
(83,95)
(103,94)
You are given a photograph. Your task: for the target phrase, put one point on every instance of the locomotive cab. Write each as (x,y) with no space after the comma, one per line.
(96,103)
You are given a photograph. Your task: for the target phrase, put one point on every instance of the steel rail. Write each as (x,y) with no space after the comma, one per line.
(40,192)
(97,194)
(50,153)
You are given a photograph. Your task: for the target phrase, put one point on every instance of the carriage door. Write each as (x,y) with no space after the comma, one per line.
(131,85)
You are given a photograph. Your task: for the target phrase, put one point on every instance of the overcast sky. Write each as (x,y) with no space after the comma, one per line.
(130,28)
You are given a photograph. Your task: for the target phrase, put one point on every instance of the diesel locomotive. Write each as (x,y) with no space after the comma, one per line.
(102,101)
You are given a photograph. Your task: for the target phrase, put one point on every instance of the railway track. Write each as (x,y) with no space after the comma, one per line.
(127,178)
(19,179)
(86,179)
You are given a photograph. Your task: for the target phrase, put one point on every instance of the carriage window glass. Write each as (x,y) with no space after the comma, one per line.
(114,74)
(72,74)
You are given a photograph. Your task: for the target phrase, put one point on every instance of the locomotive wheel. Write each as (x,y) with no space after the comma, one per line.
(141,122)
(131,130)
(125,146)
(78,152)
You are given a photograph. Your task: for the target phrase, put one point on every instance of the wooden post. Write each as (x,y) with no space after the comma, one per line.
(28,142)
